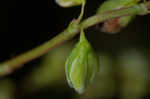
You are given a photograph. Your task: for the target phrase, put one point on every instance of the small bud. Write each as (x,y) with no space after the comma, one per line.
(81,65)
(116,24)
(68,3)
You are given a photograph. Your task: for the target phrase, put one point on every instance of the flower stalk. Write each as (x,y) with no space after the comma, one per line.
(11,65)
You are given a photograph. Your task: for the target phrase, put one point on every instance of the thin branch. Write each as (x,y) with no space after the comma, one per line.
(17,62)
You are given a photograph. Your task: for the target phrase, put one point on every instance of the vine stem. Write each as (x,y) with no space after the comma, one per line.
(11,65)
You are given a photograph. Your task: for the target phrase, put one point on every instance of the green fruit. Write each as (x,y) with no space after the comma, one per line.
(109,5)
(81,65)
(69,3)
(115,25)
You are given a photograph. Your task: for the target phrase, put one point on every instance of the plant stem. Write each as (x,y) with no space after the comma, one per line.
(17,62)
(82,11)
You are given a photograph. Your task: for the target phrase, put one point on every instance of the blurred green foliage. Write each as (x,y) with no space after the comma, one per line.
(50,71)
(7,89)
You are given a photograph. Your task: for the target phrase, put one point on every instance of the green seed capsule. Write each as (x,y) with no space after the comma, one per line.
(81,65)
(69,3)
(116,24)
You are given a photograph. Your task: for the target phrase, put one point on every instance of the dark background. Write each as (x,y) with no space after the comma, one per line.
(25,24)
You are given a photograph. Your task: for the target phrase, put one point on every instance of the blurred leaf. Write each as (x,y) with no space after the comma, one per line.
(50,72)
(7,89)
(134,74)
